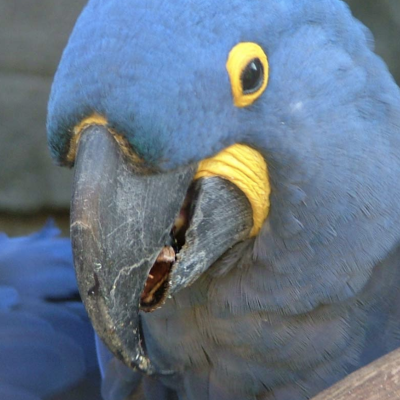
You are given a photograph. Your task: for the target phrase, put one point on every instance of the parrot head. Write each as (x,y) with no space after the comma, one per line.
(195,125)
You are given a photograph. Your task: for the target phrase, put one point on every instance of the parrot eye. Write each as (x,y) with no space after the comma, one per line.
(252,76)
(248,69)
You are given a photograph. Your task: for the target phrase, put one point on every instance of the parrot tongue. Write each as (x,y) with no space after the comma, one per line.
(156,286)
(158,281)
(215,216)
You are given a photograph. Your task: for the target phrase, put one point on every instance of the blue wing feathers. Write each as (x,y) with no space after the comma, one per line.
(46,340)
(13,393)
(39,265)
(9,297)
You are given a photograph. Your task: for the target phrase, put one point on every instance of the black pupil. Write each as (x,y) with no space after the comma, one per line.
(252,76)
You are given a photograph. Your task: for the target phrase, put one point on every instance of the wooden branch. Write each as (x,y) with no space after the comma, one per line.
(379,380)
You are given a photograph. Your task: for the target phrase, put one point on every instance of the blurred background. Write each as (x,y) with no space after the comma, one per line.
(32,37)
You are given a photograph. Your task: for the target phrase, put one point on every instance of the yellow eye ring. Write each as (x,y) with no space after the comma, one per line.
(248,71)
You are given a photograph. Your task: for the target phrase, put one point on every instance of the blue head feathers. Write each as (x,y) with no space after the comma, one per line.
(157,72)
(327,125)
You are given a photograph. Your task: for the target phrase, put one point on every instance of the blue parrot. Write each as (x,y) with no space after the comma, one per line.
(235,203)
(47,343)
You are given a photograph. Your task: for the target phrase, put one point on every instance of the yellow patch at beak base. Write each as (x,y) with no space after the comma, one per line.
(239,164)
(94,119)
(247,169)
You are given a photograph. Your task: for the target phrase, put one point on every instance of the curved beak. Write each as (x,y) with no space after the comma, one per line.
(138,237)
(120,221)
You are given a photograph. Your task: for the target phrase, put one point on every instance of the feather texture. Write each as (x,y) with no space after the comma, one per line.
(312,297)
(46,340)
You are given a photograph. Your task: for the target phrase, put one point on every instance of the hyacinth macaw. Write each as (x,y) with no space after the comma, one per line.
(236,201)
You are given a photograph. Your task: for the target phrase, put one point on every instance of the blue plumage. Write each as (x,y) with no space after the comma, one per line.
(157,71)
(313,296)
(46,340)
